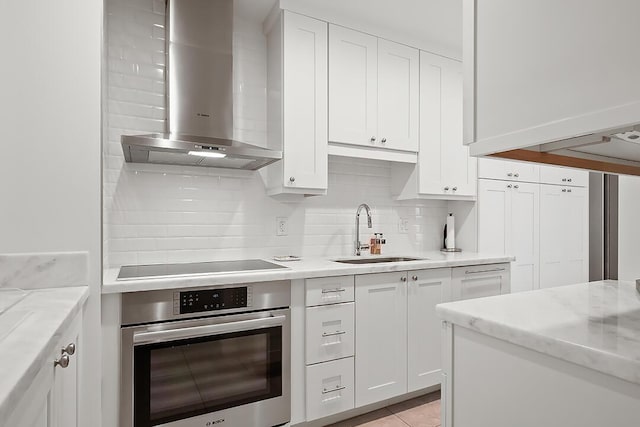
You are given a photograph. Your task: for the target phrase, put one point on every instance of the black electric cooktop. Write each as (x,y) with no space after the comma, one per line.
(129,272)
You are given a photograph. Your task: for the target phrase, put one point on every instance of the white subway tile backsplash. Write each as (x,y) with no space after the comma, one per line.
(156,213)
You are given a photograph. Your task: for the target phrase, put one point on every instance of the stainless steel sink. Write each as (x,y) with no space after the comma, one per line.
(377,260)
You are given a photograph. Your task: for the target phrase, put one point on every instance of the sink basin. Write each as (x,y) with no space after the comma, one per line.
(377,260)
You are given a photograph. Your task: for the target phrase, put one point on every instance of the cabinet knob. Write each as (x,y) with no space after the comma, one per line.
(509,186)
(516,175)
(455,188)
(373,139)
(384,140)
(292,179)
(516,186)
(403,279)
(569,191)
(63,362)
(509,174)
(69,349)
(564,179)
(564,190)
(446,188)
(568,179)
(415,278)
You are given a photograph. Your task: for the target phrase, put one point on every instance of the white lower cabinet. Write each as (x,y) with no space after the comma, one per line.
(53,400)
(426,289)
(330,388)
(381,336)
(480,281)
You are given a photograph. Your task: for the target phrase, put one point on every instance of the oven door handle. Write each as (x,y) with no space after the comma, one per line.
(150,336)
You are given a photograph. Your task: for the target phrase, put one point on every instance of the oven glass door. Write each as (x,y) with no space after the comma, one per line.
(182,378)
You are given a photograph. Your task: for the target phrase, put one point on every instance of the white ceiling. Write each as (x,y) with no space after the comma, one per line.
(435,22)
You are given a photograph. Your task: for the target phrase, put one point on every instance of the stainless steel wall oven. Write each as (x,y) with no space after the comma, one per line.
(211,356)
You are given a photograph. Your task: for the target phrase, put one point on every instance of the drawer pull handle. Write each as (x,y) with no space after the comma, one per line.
(327,344)
(338,388)
(333,334)
(484,271)
(333,291)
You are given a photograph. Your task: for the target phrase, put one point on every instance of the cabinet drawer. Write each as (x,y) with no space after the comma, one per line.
(508,170)
(329,290)
(329,388)
(564,176)
(480,281)
(330,332)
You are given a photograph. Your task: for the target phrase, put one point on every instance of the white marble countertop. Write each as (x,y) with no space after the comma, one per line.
(596,325)
(29,330)
(304,269)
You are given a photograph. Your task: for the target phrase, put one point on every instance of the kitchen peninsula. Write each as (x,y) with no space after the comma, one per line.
(566,356)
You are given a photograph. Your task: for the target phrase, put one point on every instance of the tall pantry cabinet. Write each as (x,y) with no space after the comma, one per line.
(539,214)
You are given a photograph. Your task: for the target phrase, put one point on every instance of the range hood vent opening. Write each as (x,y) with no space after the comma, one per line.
(199,81)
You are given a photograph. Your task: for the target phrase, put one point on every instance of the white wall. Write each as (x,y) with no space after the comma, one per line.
(157,213)
(50,159)
(628,229)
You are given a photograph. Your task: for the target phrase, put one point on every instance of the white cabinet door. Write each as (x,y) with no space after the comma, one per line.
(494,216)
(508,170)
(480,281)
(444,162)
(381,337)
(564,176)
(398,90)
(564,231)
(305,102)
(524,236)
(426,290)
(353,87)
(509,223)
(66,401)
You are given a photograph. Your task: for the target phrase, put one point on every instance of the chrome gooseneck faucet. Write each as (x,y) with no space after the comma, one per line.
(359,246)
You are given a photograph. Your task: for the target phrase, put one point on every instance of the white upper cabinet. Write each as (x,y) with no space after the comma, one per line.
(445,167)
(398,90)
(536,73)
(297,104)
(373,91)
(353,86)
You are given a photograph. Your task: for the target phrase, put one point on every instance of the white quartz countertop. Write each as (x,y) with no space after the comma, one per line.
(29,331)
(304,269)
(596,325)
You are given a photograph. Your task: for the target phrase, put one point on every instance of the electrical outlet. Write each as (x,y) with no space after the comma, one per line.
(403,225)
(282,226)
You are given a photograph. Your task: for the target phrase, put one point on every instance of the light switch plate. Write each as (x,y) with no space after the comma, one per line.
(282,226)
(403,225)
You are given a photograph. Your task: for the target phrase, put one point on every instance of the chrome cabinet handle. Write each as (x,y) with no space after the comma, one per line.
(415,278)
(569,191)
(403,279)
(509,174)
(564,190)
(455,188)
(569,180)
(492,270)
(516,186)
(332,291)
(564,179)
(509,186)
(333,334)
(373,139)
(292,179)
(69,349)
(384,140)
(63,362)
(331,390)
(517,175)
(446,188)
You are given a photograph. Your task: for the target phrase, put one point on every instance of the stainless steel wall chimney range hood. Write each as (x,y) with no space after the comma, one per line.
(199,81)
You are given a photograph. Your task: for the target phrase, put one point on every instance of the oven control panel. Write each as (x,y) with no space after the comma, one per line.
(205,300)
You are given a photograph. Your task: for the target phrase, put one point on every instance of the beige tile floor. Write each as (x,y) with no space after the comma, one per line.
(423,411)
